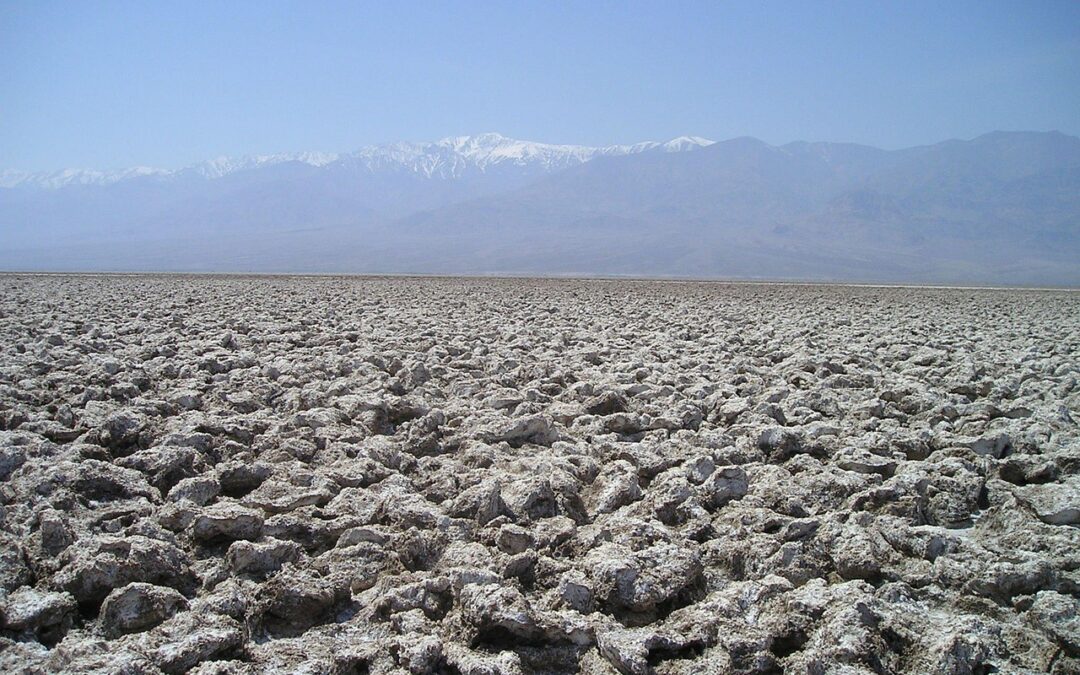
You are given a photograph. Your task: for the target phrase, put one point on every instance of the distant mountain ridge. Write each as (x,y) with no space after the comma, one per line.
(446,158)
(1003,208)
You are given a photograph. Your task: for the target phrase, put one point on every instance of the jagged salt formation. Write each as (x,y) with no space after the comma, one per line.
(251,475)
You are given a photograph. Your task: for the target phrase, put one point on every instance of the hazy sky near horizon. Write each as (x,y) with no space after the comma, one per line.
(117,84)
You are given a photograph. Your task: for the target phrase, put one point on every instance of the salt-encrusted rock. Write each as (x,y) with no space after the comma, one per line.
(56,533)
(246,557)
(699,469)
(138,607)
(360,567)
(97,480)
(616,487)
(575,592)
(607,403)
(730,410)
(107,562)
(227,521)
(295,490)
(779,443)
(213,365)
(1059,616)
(238,478)
(862,461)
(624,423)
(13,568)
(164,466)
(121,431)
(198,490)
(638,581)
(186,400)
(535,429)
(11,458)
(45,614)
(514,539)
(725,484)
(432,596)
(1023,469)
(1055,503)
(495,611)
(994,446)
(530,498)
(358,535)
(857,548)
(468,563)
(633,651)
(190,639)
(296,599)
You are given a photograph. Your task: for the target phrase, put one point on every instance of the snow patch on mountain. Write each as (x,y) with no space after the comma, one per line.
(64,177)
(685,143)
(223,166)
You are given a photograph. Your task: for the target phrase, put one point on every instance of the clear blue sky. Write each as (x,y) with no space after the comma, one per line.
(113,84)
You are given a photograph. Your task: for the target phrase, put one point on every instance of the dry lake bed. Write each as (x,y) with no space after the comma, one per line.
(439,475)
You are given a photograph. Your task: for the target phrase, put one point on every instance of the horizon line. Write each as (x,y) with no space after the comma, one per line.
(496,276)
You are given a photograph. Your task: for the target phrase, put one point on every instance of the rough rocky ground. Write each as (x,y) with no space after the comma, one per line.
(324,475)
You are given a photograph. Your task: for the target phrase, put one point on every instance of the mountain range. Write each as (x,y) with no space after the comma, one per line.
(1003,208)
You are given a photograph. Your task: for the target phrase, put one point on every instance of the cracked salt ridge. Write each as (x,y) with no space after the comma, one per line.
(232,474)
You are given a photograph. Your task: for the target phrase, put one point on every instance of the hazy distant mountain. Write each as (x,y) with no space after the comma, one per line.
(1002,208)
(264,196)
(452,157)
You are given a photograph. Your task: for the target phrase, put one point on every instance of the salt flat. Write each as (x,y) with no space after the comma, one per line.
(336,475)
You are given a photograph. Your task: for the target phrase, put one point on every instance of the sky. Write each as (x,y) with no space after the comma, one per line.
(167,84)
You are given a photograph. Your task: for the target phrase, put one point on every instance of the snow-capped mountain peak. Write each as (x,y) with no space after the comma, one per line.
(448,158)
(684,143)
(454,156)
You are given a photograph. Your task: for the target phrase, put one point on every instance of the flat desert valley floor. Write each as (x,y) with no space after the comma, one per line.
(348,475)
